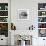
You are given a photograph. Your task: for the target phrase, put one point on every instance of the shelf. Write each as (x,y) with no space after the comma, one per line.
(3,22)
(42,16)
(41,28)
(3,10)
(41,22)
(41,10)
(3,16)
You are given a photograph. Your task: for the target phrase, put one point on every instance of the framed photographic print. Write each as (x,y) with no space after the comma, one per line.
(23,14)
(42,32)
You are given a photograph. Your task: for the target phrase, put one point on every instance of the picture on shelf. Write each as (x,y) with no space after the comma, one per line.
(3,6)
(41,25)
(3,13)
(41,13)
(41,19)
(23,14)
(42,32)
(3,19)
(4,29)
(6,7)
(41,6)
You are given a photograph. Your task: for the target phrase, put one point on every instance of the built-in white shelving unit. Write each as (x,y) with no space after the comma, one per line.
(4,22)
(4,19)
(42,19)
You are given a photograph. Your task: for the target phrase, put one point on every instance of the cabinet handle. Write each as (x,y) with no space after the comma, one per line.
(43,39)
(1,39)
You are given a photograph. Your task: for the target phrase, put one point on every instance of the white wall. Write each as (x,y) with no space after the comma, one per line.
(24,4)
(32,5)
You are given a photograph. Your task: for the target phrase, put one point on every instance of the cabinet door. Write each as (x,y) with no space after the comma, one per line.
(41,41)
